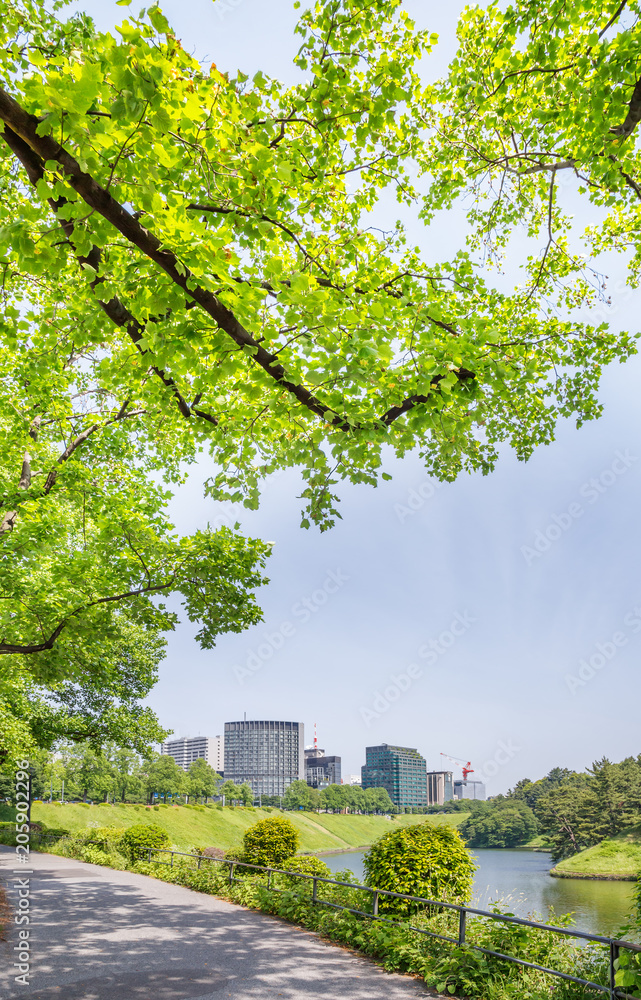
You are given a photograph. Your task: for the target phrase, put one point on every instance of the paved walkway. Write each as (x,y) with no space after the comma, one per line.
(98,934)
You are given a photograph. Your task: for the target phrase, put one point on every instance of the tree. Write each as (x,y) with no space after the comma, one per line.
(334,797)
(164,777)
(542,101)
(231,791)
(258,319)
(246,793)
(505,823)
(377,800)
(202,780)
(150,314)
(298,795)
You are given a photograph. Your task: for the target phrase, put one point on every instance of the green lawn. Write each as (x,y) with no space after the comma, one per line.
(207,827)
(620,855)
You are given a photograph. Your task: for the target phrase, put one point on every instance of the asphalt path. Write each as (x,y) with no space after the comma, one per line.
(99,934)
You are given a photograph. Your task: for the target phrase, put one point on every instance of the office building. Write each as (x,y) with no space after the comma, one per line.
(321,770)
(267,754)
(400,770)
(352,779)
(187,749)
(469,790)
(440,787)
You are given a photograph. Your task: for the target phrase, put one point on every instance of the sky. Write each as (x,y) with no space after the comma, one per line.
(496,619)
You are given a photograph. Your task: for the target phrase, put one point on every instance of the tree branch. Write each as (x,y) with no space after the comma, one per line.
(633,116)
(96,197)
(7,648)
(114,308)
(25,126)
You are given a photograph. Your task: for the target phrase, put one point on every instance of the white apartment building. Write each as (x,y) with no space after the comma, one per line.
(187,749)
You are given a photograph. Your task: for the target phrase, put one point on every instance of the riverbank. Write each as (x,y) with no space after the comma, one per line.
(617,859)
(213,826)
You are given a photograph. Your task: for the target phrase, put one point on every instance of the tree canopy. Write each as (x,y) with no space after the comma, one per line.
(541,102)
(192,265)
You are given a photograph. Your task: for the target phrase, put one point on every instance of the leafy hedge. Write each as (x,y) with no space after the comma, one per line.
(141,837)
(270,842)
(424,860)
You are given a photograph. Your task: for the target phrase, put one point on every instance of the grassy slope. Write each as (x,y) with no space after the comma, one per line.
(620,855)
(225,827)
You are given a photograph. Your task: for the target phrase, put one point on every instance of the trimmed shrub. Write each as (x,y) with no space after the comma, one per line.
(306,866)
(141,837)
(270,842)
(423,860)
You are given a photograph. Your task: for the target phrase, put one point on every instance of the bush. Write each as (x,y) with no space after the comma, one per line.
(270,842)
(141,837)
(110,859)
(213,852)
(306,866)
(424,860)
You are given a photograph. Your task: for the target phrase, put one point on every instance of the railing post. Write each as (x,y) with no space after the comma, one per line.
(614,954)
(172,860)
(375,905)
(269,878)
(200,857)
(461,926)
(314,889)
(150,855)
(231,872)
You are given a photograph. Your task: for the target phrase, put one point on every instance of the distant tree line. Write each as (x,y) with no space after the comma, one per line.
(571,810)
(113,774)
(337,798)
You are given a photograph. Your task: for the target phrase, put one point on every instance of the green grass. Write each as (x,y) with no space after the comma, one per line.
(207,827)
(617,856)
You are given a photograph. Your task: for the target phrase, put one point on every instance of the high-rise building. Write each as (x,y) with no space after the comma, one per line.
(400,770)
(320,770)
(440,788)
(352,779)
(469,790)
(269,755)
(187,749)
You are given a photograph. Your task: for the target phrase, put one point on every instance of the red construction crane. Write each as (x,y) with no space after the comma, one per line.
(466,768)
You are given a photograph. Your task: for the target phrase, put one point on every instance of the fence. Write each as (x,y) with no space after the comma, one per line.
(614,946)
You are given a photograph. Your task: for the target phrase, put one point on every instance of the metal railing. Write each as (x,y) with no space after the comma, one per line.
(614,945)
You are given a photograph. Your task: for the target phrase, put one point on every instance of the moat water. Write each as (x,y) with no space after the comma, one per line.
(521,880)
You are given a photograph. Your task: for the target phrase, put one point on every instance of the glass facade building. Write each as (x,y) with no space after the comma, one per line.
(469,790)
(400,770)
(321,770)
(269,755)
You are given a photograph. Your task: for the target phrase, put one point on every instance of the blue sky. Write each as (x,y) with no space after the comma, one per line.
(493,619)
